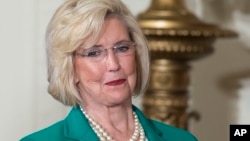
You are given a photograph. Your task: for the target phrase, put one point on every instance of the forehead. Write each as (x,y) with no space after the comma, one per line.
(113,30)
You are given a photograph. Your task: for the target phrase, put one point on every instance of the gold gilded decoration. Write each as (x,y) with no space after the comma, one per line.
(175,37)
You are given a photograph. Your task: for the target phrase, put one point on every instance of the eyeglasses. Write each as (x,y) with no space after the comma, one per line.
(98,53)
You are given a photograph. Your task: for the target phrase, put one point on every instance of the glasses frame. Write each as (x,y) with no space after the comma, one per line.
(103,50)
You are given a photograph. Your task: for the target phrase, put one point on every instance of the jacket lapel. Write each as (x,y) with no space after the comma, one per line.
(76,126)
(152,133)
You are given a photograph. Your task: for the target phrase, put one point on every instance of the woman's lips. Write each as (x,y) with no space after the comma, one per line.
(115,82)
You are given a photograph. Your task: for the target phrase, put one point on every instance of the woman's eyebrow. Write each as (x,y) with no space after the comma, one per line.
(96,46)
(122,41)
(116,43)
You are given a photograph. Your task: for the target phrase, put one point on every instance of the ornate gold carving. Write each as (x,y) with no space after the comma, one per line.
(166,98)
(179,48)
(185,32)
(175,37)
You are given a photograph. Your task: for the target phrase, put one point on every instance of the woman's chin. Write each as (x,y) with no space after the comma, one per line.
(119,99)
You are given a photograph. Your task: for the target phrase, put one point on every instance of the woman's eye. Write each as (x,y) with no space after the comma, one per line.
(93,53)
(122,48)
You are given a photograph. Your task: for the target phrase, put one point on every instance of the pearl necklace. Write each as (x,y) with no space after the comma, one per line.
(104,136)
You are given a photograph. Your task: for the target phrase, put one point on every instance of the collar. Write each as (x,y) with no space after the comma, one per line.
(151,132)
(76,126)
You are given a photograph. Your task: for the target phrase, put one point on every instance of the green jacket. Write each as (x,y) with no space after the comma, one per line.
(75,127)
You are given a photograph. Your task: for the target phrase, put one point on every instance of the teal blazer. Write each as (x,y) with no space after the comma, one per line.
(75,127)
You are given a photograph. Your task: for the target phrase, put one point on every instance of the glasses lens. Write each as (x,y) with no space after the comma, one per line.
(99,53)
(94,53)
(124,49)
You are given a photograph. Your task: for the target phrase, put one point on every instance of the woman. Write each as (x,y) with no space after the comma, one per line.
(97,60)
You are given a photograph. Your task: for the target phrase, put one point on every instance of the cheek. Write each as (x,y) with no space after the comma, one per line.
(130,69)
(86,72)
(128,64)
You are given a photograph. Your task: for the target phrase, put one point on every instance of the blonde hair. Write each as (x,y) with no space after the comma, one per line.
(75,21)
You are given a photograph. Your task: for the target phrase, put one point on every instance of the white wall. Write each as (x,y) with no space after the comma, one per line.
(25,105)
(220,90)
(17,73)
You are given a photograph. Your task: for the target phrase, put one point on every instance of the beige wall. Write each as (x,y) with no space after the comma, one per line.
(220,82)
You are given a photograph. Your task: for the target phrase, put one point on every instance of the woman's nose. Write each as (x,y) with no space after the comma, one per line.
(112,61)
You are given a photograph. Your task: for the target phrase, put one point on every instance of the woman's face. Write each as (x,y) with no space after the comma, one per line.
(112,80)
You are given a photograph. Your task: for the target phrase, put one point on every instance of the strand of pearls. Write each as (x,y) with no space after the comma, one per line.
(104,136)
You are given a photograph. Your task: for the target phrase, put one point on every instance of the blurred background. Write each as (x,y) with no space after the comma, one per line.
(220,83)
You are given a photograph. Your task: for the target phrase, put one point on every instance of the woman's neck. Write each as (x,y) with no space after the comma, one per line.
(117,120)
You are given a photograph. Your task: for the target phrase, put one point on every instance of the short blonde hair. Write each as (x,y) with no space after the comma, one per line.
(75,21)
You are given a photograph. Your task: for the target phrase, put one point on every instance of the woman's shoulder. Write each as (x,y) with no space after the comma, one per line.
(173,132)
(52,132)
